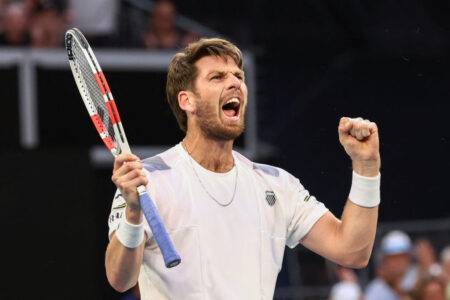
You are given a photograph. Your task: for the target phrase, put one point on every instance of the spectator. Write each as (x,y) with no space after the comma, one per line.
(49,23)
(393,263)
(430,288)
(425,266)
(348,287)
(427,263)
(445,261)
(97,19)
(3,6)
(162,32)
(15,26)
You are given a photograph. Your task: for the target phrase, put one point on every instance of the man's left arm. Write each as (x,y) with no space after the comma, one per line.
(349,241)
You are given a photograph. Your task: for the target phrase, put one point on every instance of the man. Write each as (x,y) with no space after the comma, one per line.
(392,281)
(347,288)
(48,24)
(162,32)
(228,217)
(445,261)
(14,23)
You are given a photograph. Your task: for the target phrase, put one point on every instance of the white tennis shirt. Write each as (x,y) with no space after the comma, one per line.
(228,251)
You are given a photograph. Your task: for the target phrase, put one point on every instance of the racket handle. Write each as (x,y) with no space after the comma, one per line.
(170,255)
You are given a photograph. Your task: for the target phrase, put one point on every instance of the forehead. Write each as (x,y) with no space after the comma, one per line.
(211,63)
(398,256)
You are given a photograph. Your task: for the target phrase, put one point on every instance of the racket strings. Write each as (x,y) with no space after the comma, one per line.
(93,89)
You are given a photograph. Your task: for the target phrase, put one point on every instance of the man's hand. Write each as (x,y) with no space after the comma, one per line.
(360,140)
(127,176)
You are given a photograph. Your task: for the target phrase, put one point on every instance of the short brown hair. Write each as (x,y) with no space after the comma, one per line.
(182,71)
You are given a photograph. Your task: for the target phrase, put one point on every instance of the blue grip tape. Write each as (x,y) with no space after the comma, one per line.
(170,255)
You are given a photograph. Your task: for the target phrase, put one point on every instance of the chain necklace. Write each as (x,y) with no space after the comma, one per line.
(203,186)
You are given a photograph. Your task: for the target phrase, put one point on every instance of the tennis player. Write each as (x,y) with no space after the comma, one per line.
(230,218)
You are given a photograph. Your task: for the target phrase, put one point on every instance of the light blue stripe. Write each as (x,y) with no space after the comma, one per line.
(272,171)
(155,163)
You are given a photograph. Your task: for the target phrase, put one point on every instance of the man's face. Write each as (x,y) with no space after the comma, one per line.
(164,16)
(220,98)
(396,265)
(15,21)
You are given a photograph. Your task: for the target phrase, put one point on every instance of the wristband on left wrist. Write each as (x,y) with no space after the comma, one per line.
(365,191)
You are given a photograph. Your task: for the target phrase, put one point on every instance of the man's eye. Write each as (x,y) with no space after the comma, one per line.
(240,76)
(216,77)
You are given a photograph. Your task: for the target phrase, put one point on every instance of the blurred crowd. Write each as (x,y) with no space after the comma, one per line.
(404,271)
(42,23)
(33,23)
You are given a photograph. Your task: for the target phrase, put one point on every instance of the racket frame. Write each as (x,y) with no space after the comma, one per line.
(113,113)
(171,257)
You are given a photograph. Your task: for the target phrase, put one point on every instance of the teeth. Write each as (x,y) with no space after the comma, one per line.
(235,100)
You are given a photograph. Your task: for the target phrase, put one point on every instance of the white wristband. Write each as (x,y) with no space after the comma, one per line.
(130,235)
(365,191)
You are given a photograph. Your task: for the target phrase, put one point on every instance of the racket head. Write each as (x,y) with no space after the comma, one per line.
(95,92)
(97,98)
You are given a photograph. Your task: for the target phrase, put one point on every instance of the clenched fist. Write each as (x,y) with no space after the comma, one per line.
(360,140)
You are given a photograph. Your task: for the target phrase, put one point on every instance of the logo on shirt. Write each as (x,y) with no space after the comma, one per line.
(271,198)
(120,205)
(115,216)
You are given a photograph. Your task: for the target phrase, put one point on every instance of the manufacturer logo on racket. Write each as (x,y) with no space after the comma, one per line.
(271,198)
(69,46)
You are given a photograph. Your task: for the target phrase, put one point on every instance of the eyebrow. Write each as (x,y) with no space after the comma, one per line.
(241,72)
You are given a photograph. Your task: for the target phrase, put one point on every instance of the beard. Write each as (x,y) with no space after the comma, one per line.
(210,124)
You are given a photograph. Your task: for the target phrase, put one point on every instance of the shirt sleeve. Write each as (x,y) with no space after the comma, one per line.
(118,212)
(306,211)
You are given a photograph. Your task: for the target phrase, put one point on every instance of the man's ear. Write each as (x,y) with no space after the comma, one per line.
(185,101)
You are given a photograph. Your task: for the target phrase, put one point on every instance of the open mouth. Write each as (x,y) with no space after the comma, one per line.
(231,108)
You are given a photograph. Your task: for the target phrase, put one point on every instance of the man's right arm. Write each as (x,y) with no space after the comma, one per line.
(123,263)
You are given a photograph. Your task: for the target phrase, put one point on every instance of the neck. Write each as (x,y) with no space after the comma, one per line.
(213,155)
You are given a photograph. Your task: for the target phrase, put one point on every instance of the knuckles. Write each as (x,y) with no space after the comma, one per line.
(132,166)
(362,128)
(129,181)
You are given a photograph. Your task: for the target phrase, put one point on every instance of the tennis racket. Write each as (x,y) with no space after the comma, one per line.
(98,99)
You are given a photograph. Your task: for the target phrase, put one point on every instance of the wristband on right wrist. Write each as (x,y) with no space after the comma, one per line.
(130,235)
(365,191)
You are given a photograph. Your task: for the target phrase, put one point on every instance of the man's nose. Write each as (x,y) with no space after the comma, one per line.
(234,82)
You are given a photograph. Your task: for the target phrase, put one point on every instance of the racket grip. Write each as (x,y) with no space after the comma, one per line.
(170,255)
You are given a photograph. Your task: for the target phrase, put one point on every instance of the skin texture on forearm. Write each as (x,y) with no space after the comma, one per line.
(357,230)
(123,264)
(367,168)
(348,241)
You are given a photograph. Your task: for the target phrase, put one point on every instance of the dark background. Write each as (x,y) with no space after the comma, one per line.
(316,61)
